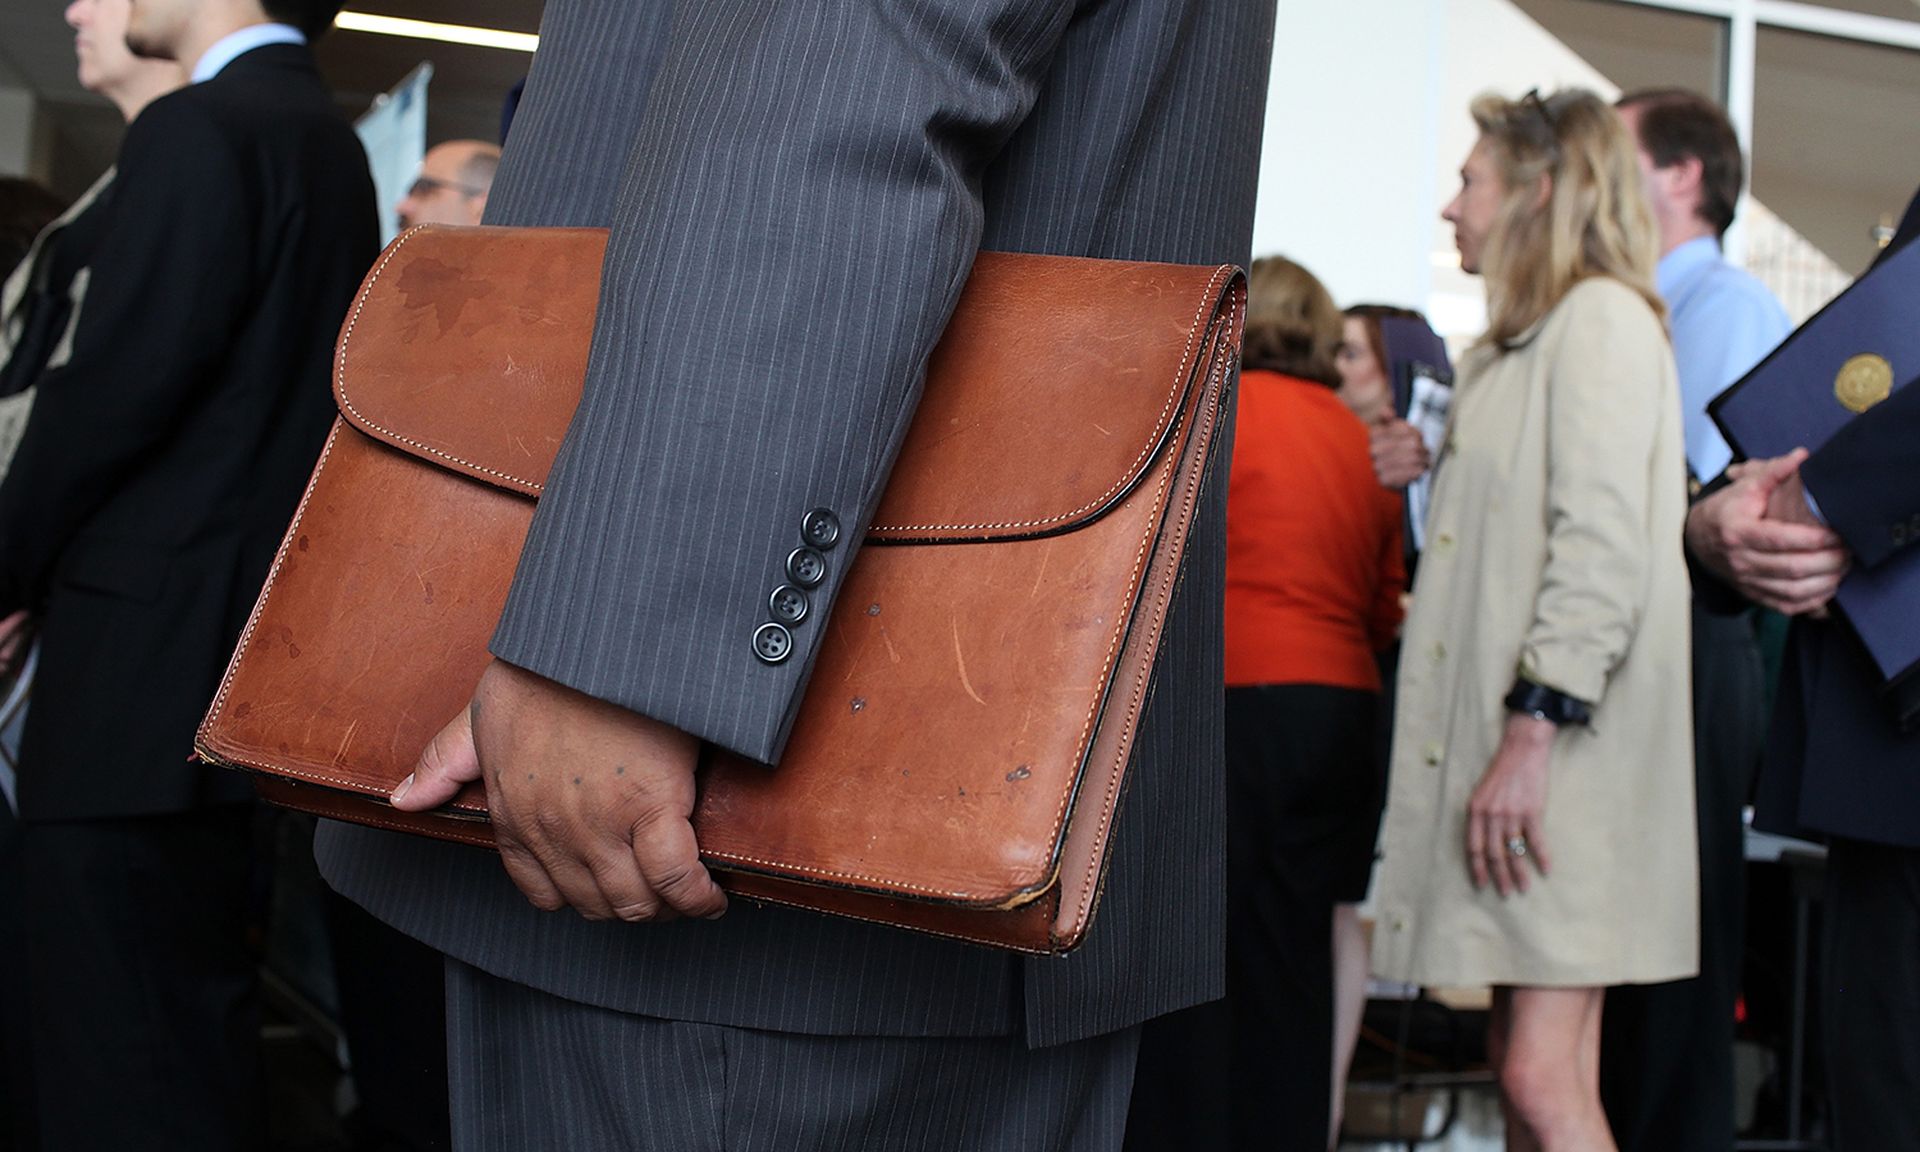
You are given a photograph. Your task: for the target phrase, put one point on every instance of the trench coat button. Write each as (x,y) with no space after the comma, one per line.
(1444,540)
(788,604)
(772,643)
(1398,924)
(806,567)
(820,528)
(1433,754)
(1439,652)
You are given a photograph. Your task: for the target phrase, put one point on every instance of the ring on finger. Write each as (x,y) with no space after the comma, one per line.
(1517,846)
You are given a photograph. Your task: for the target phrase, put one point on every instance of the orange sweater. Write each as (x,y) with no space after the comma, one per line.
(1314,572)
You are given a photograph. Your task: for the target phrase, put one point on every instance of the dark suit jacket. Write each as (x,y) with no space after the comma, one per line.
(1836,763)
(162,463)
(795,198)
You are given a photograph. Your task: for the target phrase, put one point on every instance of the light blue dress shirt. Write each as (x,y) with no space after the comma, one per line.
(233,44)
(1724,322)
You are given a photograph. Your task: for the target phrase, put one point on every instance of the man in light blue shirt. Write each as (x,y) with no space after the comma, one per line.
(1723,320)
(1667,1049)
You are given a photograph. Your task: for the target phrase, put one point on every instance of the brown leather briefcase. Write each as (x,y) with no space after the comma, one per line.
(964,738)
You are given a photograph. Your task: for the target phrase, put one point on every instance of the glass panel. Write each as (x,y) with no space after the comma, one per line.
(1638,47)
(1836,129)
(1894,9)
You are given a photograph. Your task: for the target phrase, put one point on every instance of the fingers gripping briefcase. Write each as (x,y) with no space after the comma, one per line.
(964,739)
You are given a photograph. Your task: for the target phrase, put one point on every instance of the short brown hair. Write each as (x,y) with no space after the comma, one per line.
(1293,325)
(1677,124)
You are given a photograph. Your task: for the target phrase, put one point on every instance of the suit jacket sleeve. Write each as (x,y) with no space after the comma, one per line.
(800,213)
(168,283)
(1610,378)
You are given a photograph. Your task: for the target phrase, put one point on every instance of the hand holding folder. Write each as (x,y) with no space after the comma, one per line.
(1850,357)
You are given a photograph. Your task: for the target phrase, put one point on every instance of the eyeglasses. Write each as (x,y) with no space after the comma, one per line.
(425,186)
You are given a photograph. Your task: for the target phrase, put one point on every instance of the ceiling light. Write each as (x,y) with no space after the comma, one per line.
(429,30)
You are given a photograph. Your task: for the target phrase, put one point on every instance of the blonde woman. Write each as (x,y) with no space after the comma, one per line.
(1540,832)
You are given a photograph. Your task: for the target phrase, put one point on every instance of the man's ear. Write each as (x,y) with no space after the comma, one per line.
(1543,192)
(1683,178)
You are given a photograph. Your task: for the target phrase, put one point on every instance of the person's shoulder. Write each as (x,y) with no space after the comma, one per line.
(1321,409)
(269,88)
(189,109)
(1729,288)
(1610,301)
(184,128)
(1303,400)
(1605,294)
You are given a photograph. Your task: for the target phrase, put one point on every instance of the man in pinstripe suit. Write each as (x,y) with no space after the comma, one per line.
(796,192)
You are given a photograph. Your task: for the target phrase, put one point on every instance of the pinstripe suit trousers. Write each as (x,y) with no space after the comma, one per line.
(531,1071)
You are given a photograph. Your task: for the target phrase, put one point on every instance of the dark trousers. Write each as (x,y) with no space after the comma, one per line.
(1872,996)
(1666,1050)
(530,1070)
(145,1022)
(16,1067)
(1254,1071)
(393,1009)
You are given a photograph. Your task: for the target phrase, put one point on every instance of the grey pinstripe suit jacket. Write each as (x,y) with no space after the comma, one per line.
(796,192)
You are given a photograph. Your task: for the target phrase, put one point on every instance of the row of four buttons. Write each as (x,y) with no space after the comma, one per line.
(806,569)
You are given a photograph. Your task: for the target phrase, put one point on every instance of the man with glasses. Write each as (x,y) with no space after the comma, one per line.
(452,187)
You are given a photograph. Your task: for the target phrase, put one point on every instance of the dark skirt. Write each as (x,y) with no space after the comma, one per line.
(1305,789)
(1306,782)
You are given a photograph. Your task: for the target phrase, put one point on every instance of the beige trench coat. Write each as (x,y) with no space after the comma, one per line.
(1554,546)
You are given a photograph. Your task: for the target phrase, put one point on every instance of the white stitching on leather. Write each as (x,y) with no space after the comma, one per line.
(273,574)
(1118,774)
(1086,728)
(360,418)
(1194,329)
(1168,470)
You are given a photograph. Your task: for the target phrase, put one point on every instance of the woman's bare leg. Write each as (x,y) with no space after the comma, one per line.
(1499,1019)
(1349,1001)
(1548,1060)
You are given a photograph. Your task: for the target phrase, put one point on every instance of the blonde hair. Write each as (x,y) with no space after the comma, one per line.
(1293,325)
(1595,221)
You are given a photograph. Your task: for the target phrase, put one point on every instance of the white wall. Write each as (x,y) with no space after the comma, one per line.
(1346,168)
(1366,127)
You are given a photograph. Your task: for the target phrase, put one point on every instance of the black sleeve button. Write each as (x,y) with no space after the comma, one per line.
(788,605)
(820,528)
(772,643)
(806,567)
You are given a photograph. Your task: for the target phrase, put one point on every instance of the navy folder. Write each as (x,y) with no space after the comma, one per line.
(1850,356)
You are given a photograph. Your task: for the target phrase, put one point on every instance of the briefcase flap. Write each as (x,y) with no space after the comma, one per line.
(472,356)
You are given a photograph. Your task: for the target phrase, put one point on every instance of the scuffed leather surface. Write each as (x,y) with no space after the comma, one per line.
(965,734)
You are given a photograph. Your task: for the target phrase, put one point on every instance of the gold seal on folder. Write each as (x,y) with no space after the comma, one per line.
(1863,382)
